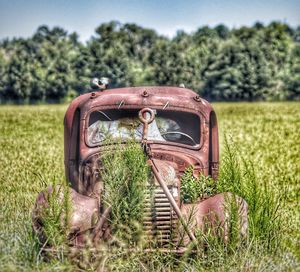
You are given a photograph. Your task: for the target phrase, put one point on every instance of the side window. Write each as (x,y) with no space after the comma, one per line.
(213,146)
(74,150)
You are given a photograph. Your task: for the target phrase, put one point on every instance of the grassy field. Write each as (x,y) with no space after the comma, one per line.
(31,157)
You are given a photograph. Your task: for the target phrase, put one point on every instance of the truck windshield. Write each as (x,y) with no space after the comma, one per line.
(170,126)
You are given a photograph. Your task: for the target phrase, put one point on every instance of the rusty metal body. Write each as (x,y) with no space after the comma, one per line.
(83,165)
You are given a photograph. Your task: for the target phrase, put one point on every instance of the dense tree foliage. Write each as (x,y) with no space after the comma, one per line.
(248,63)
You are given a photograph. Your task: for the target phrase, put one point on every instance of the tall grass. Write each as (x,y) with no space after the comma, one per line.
(125,176)
(266,135)
(54,218)
(265,216)
(237,175)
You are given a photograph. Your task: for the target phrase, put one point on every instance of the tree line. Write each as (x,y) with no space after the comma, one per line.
(255,63)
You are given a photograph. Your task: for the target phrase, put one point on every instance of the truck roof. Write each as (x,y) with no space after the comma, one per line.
(146,96)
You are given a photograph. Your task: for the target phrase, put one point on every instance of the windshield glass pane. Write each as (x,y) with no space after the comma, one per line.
(171,126)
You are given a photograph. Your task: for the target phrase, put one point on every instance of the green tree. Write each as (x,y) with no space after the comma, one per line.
(292,80)
(237,72)
(247,63)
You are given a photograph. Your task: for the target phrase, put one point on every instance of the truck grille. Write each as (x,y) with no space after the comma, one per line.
(160,221)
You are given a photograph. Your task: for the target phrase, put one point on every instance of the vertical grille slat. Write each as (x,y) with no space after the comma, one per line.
(160,220)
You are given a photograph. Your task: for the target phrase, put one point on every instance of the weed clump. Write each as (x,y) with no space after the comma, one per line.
(237,175)
(193,188)
(125,176)
(51,217)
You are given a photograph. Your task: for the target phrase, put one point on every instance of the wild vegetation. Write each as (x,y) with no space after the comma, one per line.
(261,62)
(260,162)
(193,187)
(125,175)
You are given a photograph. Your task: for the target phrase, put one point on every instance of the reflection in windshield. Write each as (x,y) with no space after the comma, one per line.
(125,125)
(124,128)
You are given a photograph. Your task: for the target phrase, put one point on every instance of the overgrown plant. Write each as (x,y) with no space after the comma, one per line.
(125,175)
(193,188)
(237,175)
(53,217)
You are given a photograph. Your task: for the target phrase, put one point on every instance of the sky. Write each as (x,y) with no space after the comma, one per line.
(21,18)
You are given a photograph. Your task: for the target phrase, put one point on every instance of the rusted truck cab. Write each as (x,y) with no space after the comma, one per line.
(183,133)
(196,117)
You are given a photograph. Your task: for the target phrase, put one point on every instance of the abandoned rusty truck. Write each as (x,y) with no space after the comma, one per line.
(177,129)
